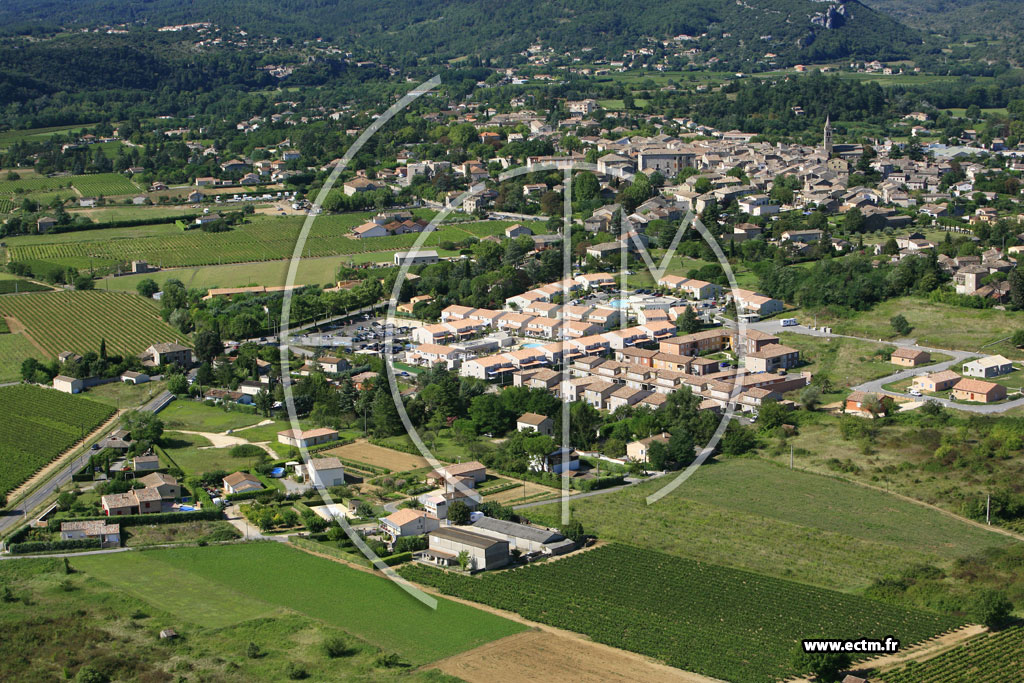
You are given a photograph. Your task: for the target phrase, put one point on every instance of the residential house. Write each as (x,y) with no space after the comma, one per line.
(109,535)
(637,451)
(164,484)
(240,482)
(532,422)
(910,358)
(407,522)
(473,471)
(936,381)
(772,357)
(134,502)
(166,353)
(324,472)
(307,438)
(979,391)
(989,366)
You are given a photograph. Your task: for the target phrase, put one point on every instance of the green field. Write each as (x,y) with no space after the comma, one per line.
(8,137)
(17,286)
(938,325)
(193,454)
(59,624)
(223,586)
(988,658)
(733,625)
(78,321)
(761,517)
(847,362)
(262,238)
(196,416)
(37,425)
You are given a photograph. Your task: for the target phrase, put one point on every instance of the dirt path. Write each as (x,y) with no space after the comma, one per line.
(15,326)
(221,440)
(919,653)
(562,655)
(60,460)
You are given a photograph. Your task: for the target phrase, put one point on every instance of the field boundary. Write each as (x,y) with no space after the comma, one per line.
(18,328)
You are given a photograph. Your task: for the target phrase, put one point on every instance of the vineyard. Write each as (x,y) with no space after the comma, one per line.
(263,238)
(985,659)
(77,321)
(16,286)
(94,184)
(716,621)
(6,205)
(37,425)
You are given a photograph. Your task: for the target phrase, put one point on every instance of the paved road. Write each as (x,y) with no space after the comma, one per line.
(36,498)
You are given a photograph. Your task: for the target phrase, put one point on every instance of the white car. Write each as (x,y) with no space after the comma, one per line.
(915,392)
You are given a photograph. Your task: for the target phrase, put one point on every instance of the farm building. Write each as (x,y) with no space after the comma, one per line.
(69,385)
(168,352)
(482,551)
(524,537)
(472,470)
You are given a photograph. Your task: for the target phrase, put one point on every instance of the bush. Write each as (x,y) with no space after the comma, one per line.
(335,647)
(296,672)
(136,520)
(53,546)
(252,651)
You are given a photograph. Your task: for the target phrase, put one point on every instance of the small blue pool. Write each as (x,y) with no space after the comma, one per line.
(618,303)
(277,472)
(185,508)
(532,346)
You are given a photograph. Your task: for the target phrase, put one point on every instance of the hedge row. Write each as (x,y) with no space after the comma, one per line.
(53,546)
(130,223)
(138,520)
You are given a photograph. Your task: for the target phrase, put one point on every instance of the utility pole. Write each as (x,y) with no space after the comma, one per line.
(988,509)
(790,456)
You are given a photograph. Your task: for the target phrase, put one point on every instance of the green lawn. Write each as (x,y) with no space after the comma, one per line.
(757,516)
(198,417)
(937,325)
(193,454)
(122,395)
(226,585)
(311,271)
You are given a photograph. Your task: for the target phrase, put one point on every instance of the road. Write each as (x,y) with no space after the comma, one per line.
(38,496)
(876,386)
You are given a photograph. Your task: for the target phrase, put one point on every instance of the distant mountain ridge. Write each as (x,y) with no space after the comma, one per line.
(794,30)
(995,18)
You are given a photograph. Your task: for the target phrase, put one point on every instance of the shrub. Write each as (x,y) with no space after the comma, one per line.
(335,647)
(47,546)
(296,672)
(253,651)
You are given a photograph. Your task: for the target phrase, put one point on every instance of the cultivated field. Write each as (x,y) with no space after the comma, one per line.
(19,286)
(222,586)
(14,348)
(78,321)
(691,615)
(762,517)
(988,658)
(262,238)
(311,271)
(396,461)
(37,425)
(91,185)
(562,657)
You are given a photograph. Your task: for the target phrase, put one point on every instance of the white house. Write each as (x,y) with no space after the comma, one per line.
(324,472)
(407,522)
(989,366)
(306,438)
(69,385)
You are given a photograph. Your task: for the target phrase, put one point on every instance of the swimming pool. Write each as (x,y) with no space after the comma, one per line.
(532,346)
(619,303)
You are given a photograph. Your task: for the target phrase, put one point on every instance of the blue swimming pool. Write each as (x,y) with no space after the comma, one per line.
(618,303)
(185,508)
(277,472)
(532,346)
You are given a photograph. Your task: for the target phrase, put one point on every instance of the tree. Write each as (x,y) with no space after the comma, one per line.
(890,247)
(336,646)
(208,345)
(585,186)
(1016,280)
(1018,338)
(824,665)
(853,221)
(689,322)
(147,287)
(573,531)
(657,455)
(177,384)
(992,608)
(463,559)
(810,397)
(252,651)
(458,512)
(264,402)
(772,414)
(489,415)
(143,426)
(900,325)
